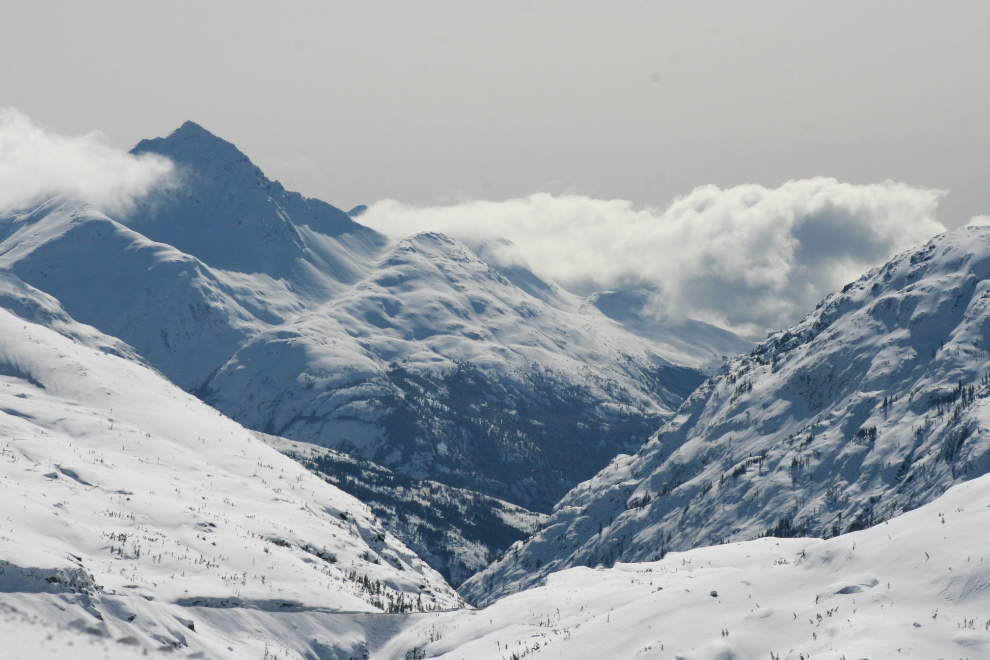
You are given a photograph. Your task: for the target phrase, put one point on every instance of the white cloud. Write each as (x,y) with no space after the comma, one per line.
(979,221)
(747,258)
(36,163)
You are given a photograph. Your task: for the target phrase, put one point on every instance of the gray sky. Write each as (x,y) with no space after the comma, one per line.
(740,160)
(441,102)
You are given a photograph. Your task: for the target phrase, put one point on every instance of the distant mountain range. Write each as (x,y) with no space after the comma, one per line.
(295,320)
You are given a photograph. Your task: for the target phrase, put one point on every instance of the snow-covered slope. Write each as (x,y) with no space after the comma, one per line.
(293,319)
(182,316)
(871,406)
(127,499)
(438,367)
(912,587)
(456,531)
(915,587)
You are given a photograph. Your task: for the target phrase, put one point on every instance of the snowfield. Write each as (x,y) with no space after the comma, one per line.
(913,587)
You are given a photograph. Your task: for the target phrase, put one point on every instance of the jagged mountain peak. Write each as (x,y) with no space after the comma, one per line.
(225,211)
(194,146)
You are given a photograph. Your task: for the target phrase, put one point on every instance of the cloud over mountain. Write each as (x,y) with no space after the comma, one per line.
(748,258)
(36,162)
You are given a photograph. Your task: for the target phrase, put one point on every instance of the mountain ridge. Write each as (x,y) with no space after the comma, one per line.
(226,212)
(871,406)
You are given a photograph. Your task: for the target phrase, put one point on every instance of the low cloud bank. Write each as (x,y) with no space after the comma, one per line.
(36,163)
(748,258)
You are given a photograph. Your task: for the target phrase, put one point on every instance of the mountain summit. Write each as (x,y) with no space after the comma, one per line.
(193,145)
(226,212)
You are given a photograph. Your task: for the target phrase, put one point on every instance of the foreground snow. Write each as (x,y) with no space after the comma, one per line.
(26,637)
(914,587)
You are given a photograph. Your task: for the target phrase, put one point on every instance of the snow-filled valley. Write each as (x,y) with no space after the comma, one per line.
(236,423)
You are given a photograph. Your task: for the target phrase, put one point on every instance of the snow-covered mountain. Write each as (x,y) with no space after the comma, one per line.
(126,501)
(224,211)
(871,406)
(290,317)
(914,586)
(134,517)
(182,316)
(439,367)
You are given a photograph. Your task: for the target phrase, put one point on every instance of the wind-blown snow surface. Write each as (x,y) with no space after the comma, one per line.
(128,501)
(871,406)
(914,587)
(290,317)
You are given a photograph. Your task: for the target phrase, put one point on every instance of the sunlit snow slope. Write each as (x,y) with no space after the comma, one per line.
(913,587)
(128,500)
(873,405)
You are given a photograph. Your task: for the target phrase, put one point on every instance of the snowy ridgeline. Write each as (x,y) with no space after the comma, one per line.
(127,501)
(913,587)
(871,406)
(293,319)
